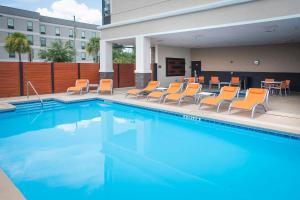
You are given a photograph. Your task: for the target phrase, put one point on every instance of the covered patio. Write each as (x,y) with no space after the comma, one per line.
(251,50)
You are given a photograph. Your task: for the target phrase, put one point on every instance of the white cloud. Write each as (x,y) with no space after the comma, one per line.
(66,9)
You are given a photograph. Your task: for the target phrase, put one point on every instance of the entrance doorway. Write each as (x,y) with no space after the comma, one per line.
(196,68)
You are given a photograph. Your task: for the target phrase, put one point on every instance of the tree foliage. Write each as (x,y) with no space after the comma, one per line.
(123,55)
(58,52)
(93,48)
(17,43)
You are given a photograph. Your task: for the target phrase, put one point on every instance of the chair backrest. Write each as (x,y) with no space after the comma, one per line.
(257,95)
(235,80)
(174,87)
(287,83)
(214,79)
(106,84)
(191,79)
(269,79)
(152,85)
(228,92)
(201,79)
(192,89)
(82,82)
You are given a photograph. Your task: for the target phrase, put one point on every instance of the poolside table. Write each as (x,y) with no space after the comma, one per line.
(201,95)
(270,85)
(94,86)
(161,89)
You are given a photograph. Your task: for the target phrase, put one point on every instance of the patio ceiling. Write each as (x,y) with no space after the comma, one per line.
(272,32)
(275,32)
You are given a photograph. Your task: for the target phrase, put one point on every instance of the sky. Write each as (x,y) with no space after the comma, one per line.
(88,11)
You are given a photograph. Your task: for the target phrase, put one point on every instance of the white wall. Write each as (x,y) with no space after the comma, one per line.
(164,52)
(274,58)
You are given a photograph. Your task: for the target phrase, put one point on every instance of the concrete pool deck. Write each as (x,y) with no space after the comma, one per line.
(283,114)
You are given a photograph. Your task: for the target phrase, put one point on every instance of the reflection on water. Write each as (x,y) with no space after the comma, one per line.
(98,150)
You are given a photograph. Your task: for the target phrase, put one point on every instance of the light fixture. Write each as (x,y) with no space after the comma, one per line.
(256,62)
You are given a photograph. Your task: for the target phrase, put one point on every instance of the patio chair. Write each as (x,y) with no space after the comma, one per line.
(254,97)
(105,85)
(152,85)
(284,85)
(191,80)
(173,88)
(214,80)
(201,79)
(80,86)
(267,83)
(190,91)
(235,81)
(227,94)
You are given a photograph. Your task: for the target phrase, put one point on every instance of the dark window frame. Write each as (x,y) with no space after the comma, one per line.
(13,23)
(43,32)
(28,27)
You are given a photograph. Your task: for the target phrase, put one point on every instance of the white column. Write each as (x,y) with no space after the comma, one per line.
(106,62)
(143,53)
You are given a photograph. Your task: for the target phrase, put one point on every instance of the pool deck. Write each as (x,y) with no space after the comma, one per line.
(283,114)
(8,190)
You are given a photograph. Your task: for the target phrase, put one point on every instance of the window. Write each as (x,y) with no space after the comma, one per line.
(57,31)
(42,29)
(10,23)
(71,33)
(43,42)
(94,34)
(82,45)
(29,26)
(12,55)
(83,35)
(30,39)
(83,55)
(106,12)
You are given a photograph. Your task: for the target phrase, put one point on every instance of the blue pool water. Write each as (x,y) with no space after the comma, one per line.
(100,150)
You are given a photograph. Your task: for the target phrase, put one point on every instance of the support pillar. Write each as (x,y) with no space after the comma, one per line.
(106,62)
(142,61)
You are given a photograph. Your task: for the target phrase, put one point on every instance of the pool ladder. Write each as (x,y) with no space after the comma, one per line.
(28,83)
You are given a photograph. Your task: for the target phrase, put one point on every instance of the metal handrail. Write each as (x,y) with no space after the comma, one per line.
(37,94)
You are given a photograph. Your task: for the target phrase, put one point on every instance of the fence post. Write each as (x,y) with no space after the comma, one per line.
(78,70)
(21,78)
(52,77)
(118,75)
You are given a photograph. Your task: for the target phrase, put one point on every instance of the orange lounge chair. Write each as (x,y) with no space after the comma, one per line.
(152,85)
(214,80)
(191,91)
(80,85)
(254,97)
(173,88)
(105,85)
(227,94)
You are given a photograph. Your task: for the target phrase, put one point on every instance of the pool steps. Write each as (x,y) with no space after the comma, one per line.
(36,107)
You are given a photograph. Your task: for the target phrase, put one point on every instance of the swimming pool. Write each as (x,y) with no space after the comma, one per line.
(104,150)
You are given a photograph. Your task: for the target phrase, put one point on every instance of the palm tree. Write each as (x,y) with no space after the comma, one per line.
(58,52)
(93,48)
(17,42)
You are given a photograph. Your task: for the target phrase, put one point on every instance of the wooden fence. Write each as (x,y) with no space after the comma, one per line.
(56,77)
